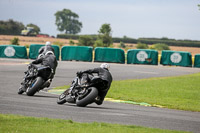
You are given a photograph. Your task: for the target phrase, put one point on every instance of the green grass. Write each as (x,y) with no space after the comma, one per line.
(22,124)
(182,92)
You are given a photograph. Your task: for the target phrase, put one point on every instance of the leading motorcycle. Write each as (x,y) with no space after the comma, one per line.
(83,91)
(36,78)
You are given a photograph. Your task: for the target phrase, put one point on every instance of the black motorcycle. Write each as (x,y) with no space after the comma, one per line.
(83,91)
(36,78)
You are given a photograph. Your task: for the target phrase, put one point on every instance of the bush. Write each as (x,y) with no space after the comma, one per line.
(98,43)
(15,41)
(27,45)
(71,42)
(160,47)
(122,45)
(142,46)
(60,44)
(86,40)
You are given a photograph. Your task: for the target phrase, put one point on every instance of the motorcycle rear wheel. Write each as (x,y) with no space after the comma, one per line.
(35,86)
(89,98)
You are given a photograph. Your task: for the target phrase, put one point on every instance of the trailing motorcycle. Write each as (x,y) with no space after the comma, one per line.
(36,78)
(83,91)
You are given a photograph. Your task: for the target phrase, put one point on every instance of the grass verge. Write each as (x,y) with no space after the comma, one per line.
(180,92)
(22,124)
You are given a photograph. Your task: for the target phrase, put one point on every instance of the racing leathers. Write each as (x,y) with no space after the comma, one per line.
(45,48)
(104,78)
(48,60)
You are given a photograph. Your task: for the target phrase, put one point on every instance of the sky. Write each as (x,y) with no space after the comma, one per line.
(176,19)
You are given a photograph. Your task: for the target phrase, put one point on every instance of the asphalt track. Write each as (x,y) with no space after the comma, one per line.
(44,104)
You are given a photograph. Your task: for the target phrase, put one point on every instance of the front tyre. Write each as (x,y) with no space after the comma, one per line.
(62,98)
(88,98)
(20,91)
(35,86)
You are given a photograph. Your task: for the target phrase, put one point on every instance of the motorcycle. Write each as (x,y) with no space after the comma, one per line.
(83,91)
(36,78)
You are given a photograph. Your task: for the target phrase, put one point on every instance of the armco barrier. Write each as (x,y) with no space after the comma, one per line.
(142,56)
(197,60)
(176,58)
(34,48)
(109,55)
(78,53)
(13,51)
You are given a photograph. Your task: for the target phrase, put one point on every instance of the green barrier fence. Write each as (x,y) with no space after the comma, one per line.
(177,58)
(34,48)
(197,60)
(78,53)
(142,56)
(13,51)
(109,55)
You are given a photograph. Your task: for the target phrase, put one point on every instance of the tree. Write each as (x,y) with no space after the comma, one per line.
(67,21)
(104,38)
(105,29)
(11,27)
(36,28)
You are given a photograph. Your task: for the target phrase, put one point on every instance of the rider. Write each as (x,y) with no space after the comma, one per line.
(45,48)
(104,77)
(48,59)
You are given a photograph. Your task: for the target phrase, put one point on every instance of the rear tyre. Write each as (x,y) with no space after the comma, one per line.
(34,87)
(88,98)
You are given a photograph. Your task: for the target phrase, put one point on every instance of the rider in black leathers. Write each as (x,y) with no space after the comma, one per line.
(48,59)
(46,48)
(104,78)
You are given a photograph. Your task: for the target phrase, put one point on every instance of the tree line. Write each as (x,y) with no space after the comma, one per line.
(67,22)
(149,41)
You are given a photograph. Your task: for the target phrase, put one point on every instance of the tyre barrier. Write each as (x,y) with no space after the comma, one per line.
(13,51)
(114,55)
(142,56)
(176,58)
(34,48)
(102,54)
(197,60)
(77,53)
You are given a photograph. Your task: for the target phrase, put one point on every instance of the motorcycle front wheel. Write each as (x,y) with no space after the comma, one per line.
(88,98)
(35,86)
(20,91)
(62,98)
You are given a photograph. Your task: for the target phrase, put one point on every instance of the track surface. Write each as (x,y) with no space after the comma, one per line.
(44,104)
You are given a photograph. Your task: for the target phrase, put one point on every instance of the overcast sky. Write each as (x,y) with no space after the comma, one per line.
(177,19)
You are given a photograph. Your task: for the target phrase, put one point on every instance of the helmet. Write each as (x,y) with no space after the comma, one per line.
(105,66)
(49,52)
(48,43)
